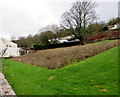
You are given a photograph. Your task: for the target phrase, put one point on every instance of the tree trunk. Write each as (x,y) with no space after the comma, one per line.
(81,40)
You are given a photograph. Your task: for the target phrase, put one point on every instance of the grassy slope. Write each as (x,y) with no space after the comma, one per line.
(94,76)
(102,42)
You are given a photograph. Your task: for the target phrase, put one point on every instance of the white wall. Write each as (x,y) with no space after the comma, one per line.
(11,48)
(11,51)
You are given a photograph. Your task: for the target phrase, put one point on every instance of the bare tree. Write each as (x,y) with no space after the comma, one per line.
(54,28)
(3,52)
(81,14)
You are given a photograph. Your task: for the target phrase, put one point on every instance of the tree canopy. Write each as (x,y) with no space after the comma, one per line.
(78,17)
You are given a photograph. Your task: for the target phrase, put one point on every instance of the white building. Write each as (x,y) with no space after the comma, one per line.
(64,39)
(8,49)
(116,26)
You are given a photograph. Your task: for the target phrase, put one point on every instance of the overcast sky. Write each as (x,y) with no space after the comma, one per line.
(24,17)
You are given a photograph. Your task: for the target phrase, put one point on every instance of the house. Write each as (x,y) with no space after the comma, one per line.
(8,48)
(116,26)
(64,39)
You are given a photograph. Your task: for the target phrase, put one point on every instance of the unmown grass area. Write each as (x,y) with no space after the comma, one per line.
(60,57)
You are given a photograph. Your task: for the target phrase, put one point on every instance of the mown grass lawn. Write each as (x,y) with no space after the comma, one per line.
(97,75)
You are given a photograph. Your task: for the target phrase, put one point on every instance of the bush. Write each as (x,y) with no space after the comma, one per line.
(103,36)
(105,28)
(56,45)
(39,46)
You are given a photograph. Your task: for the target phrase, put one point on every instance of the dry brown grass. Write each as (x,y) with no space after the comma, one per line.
(56,58)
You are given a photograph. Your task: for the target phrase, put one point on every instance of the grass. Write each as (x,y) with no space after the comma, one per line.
(104,41)
(97,75)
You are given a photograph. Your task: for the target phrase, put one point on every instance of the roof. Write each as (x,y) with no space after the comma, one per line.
(5,43)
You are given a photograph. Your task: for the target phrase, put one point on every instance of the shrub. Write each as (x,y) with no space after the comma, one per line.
(39,46)
(55,45)
(103,36)
(105,28)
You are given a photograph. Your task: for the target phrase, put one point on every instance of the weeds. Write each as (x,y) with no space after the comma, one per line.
(60,57)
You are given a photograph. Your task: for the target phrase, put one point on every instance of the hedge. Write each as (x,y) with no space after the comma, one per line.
(39,46)
(57,45)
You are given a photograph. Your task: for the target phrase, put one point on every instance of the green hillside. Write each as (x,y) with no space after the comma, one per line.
(97,75)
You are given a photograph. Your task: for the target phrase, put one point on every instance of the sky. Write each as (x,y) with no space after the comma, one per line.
(24,17)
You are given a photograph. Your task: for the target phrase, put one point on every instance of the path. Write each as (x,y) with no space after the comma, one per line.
(5,88)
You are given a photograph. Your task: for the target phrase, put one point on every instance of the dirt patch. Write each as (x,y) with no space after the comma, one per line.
(75,88)
(96,85)
(103,90)
(60,57)
(51,77)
